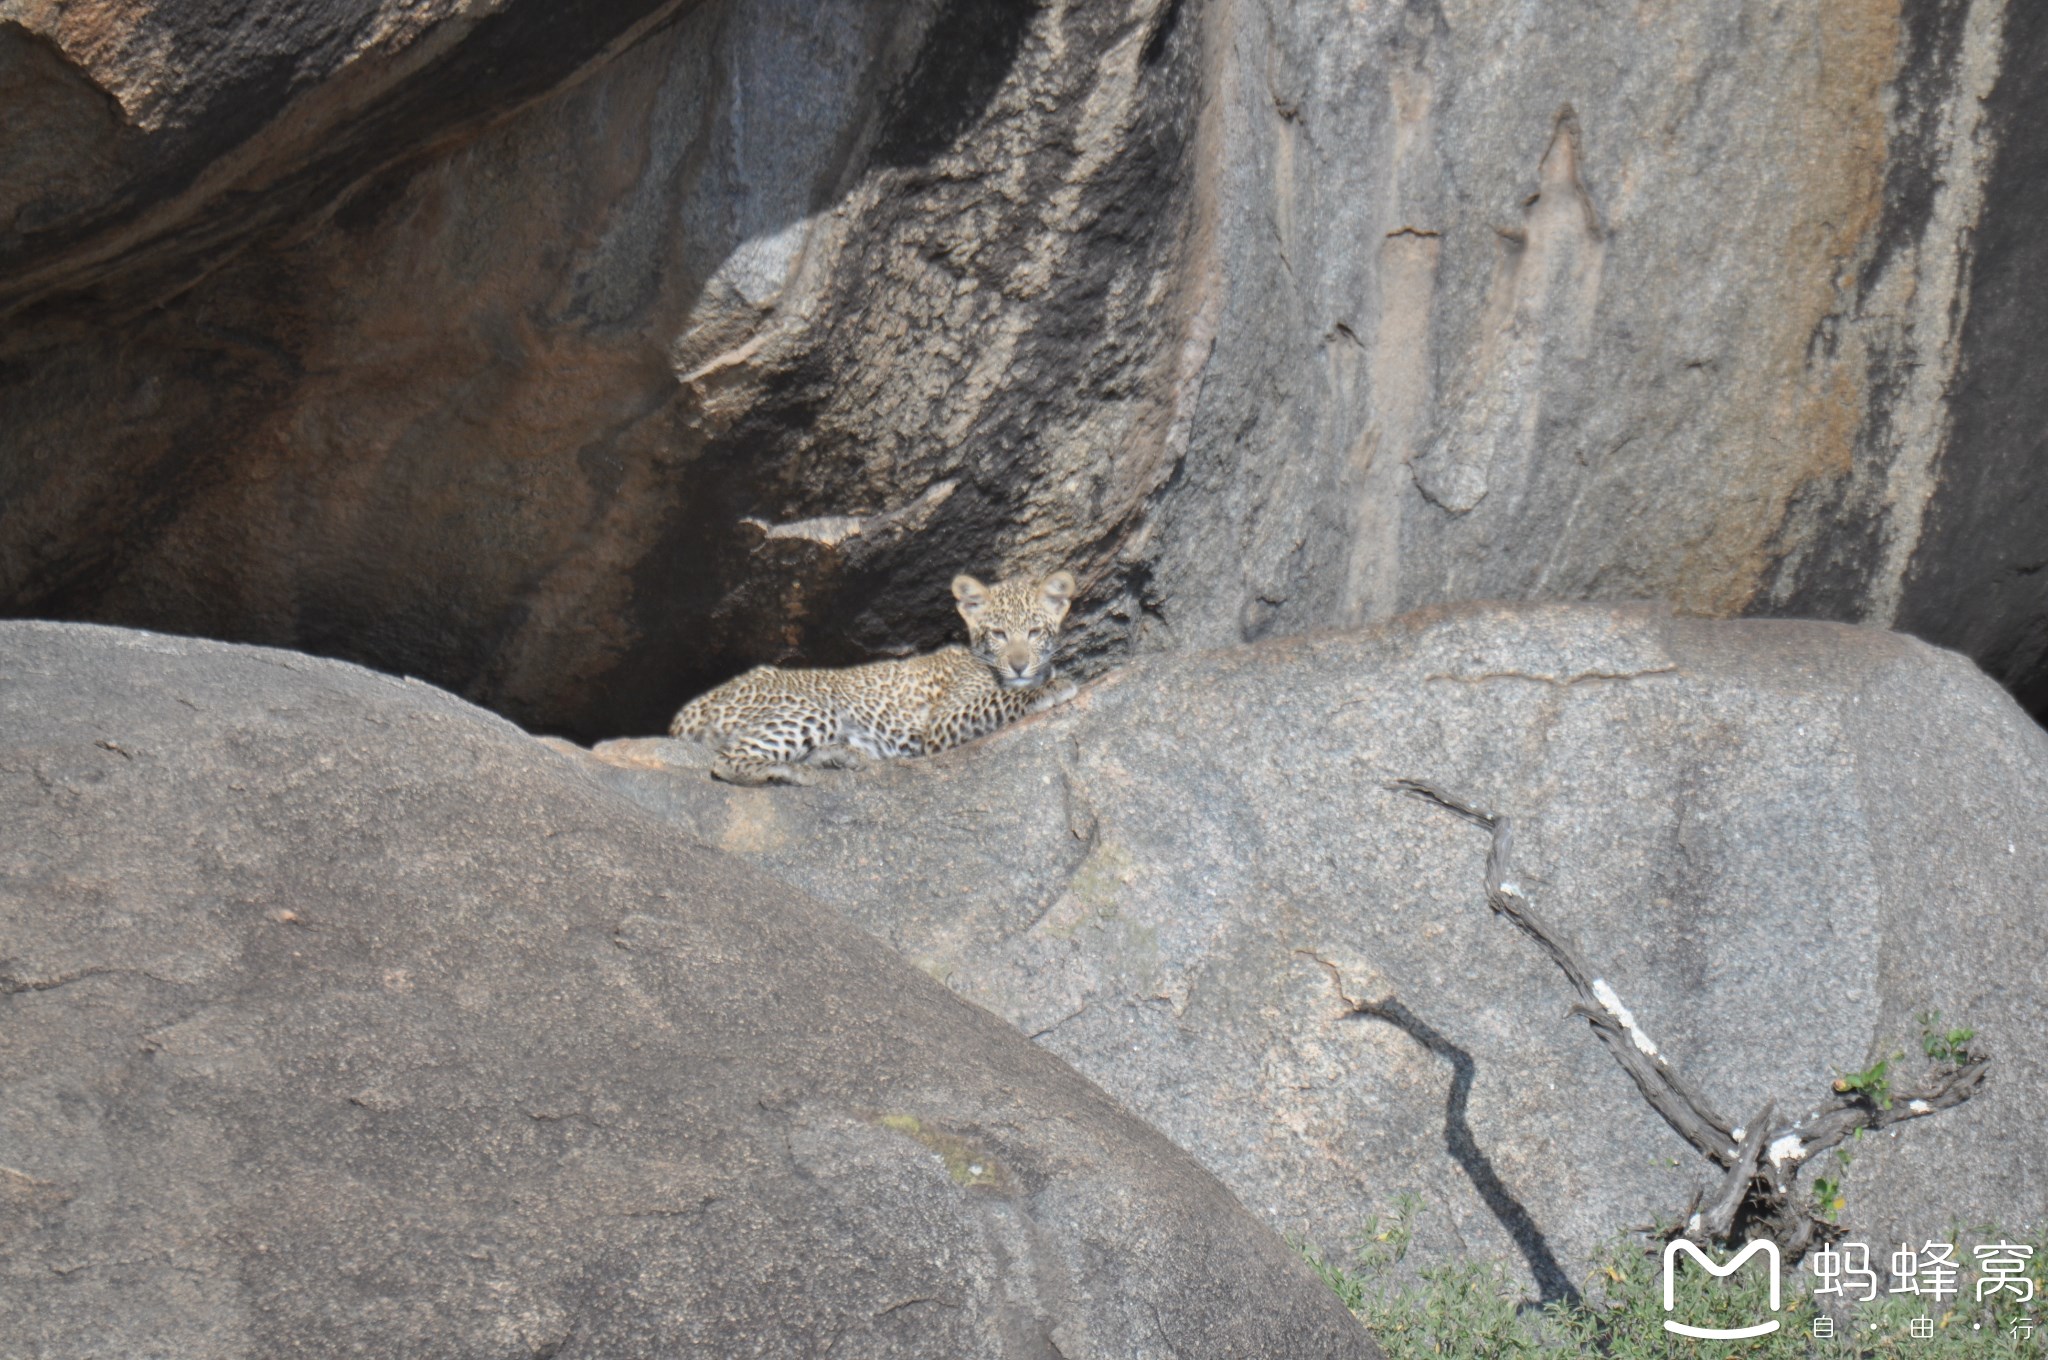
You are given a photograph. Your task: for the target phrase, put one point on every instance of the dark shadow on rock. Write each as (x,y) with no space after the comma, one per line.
(510,57)
(966,56)
(1976,581)
(1551,1279)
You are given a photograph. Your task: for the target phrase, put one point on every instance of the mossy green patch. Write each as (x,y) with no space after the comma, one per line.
(1100,880)
(937,969)
(1093,892)
(964,1162)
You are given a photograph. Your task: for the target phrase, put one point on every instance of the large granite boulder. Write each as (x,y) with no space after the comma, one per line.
(343,1018)
(578,356)
(1778,841)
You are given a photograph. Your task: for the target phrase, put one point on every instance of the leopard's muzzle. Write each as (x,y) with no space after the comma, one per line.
(1018,665)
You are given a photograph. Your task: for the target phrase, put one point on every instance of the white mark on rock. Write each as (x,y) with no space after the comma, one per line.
(828,530)
(1789,1148)
(1611,1003)
(831,530)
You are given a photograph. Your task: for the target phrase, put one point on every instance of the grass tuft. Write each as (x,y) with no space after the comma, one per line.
(1474,1310)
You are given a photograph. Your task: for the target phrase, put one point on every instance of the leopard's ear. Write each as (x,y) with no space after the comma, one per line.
(972,595)
(1057,591)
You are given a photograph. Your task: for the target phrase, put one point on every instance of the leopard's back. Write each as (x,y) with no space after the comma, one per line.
(880,708)
(770,720)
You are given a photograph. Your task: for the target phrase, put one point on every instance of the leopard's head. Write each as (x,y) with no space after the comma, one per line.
(1014,628)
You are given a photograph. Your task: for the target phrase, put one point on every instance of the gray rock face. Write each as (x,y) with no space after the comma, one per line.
(1263,317)
(340,1016)
(1778,841)
(1530,303)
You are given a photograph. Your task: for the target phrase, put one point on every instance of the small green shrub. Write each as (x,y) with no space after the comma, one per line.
(1873,1081)
(1950,1045)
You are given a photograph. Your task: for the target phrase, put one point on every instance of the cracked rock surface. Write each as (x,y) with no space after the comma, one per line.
(337,1015)
(1778,842)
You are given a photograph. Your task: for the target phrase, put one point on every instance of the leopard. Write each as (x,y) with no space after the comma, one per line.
(771,722)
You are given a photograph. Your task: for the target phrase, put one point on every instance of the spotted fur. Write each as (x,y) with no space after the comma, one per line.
(769,721)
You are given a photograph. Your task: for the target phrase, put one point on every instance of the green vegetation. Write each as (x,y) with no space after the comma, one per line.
(1949,1046)
(1873,1081)
(1475,1310)
(1943,1045)
(1828,1201)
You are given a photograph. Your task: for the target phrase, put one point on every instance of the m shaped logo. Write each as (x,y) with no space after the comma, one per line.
(1770,1251)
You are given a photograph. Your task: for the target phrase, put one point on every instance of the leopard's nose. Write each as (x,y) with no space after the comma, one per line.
(1016,658)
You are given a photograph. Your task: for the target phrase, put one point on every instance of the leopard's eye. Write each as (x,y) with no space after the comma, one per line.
(998,635)
(1037,635)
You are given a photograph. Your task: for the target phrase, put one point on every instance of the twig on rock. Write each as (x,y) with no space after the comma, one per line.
(1717,1220)
(1761,1161)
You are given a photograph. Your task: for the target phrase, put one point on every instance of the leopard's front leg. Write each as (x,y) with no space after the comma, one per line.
(742,762)
(839,758)
(1056,690)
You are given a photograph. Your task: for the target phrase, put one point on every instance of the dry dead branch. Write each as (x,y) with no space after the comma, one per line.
(1760,1162)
